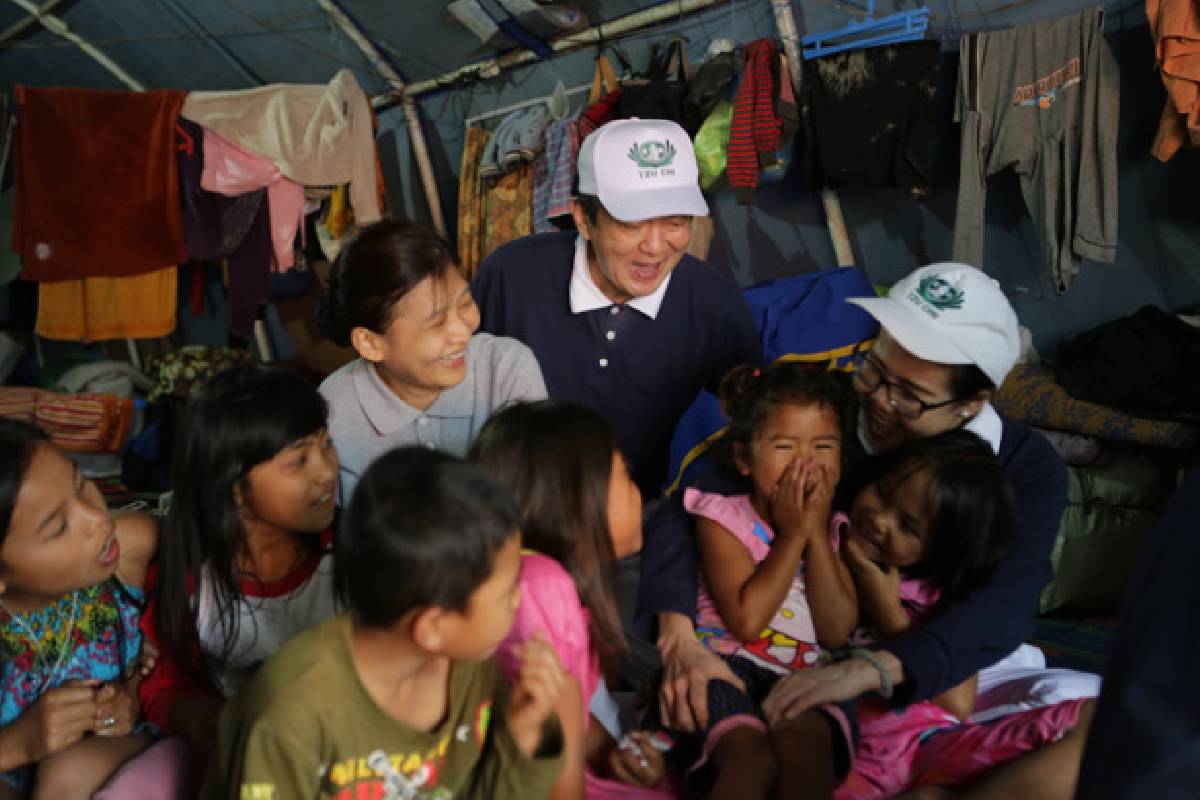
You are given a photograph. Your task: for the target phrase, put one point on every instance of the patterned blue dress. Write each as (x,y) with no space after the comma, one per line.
(89,634)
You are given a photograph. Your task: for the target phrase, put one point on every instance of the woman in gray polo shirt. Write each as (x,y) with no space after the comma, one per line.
(423,375)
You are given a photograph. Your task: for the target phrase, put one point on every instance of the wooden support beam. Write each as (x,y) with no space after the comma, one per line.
(785,21)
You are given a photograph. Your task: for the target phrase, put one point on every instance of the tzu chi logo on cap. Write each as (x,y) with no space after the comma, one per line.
(653,158)
(938,292)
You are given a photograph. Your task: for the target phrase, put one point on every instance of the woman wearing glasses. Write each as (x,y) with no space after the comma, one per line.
(948,337)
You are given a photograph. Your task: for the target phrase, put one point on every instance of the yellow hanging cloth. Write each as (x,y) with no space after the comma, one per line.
(92,309)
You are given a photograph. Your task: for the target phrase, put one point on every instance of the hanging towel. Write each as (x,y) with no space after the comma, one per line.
(232,170)
(470,201)
(213,225)
(1175,26)
(340,217)
(561,149)
(1042,99)
(95,309)
(755,130)
(507,209)
(217,226)
(250,274)
(318,135)
(868,116)
(97,189)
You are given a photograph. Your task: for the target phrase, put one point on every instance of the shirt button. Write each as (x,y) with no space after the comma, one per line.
(604,362)
(422,420)
(611,335)
(614,310)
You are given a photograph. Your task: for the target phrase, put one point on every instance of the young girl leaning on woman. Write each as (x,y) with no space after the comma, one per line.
(70,599)
(579,512)
(764,599)
(928,523)
(245,560)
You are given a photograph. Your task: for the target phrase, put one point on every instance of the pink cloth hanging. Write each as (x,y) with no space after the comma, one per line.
(232,170)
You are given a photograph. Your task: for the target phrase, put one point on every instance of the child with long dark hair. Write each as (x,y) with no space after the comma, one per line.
(580,511)
(71,580)
(929,521)
(245,560)
(423,375)
(399,697)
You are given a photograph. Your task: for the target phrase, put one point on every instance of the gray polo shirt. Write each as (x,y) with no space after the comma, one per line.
(366,417)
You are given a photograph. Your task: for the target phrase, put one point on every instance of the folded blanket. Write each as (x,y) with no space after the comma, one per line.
(97,189)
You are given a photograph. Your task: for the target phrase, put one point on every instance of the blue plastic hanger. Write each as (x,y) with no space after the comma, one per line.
(903,26)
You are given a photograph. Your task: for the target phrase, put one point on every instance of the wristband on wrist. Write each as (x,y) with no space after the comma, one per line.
(886,687)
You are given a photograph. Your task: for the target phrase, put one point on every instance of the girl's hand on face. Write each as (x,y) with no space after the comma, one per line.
(803,499)
(57,720)
(636,761)
(117,708)
(818,496)
(789,513)
(873,580)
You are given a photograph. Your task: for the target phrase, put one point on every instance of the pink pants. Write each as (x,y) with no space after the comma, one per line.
(162,771)
(923,744)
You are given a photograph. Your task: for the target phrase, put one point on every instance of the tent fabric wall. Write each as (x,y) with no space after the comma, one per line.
(784,233)
(230,45)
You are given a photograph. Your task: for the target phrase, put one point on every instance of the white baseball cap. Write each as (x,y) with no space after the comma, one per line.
(641,169)
(950,313)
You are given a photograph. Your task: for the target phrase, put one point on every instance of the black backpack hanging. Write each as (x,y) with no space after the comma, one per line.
(658,92)
(711,84)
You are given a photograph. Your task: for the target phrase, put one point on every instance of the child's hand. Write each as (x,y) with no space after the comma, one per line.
(802,500)
(535,692)
(877,582)
(636,761)
(147,658)
(57,720)
(117,708)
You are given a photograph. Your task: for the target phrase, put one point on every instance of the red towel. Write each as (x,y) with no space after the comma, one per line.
(755,127)
(97,187)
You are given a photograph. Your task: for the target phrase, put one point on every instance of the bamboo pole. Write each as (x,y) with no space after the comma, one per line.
(17,28)
(785,20)
(57,26)
(574,41)
(416,135)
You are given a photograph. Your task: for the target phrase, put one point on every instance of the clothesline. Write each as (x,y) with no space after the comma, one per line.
(533,101)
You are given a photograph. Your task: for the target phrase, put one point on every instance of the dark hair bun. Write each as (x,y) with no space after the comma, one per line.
(735,386)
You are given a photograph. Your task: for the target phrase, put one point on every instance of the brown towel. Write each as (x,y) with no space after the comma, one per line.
(97,188)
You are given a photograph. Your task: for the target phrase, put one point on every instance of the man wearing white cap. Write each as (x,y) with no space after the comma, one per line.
(620,318)
(948,338)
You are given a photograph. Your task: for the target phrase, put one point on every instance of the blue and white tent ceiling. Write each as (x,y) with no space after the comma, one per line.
(236,44)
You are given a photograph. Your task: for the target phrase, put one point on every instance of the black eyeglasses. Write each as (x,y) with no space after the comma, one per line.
(868,377)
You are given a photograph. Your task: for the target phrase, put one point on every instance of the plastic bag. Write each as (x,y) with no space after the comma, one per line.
(712,144)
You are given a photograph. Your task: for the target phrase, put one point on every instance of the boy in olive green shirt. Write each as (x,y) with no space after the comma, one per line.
(399,699)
